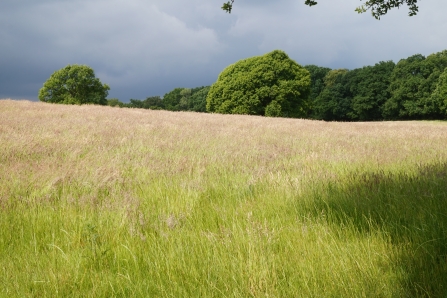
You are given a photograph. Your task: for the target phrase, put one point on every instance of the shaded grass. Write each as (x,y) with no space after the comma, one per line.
(410,209)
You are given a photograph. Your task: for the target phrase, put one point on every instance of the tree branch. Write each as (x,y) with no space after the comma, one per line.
(378,7)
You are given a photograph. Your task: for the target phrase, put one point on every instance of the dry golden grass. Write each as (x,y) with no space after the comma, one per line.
(46,144)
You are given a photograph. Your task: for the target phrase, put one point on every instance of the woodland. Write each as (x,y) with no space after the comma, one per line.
(415,88)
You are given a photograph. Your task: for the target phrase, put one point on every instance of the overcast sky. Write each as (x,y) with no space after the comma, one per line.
(143,48)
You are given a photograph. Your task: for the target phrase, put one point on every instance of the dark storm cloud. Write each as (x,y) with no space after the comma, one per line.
(148,47)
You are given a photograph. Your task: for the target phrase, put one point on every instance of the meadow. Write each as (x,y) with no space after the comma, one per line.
(106,202)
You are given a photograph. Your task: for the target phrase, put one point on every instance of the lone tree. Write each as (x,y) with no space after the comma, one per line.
(378,7)
(74,84)
(270,85)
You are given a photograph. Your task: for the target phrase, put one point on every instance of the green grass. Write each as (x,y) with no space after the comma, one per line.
(103,202)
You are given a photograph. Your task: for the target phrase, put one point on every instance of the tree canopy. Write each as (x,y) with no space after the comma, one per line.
(412,83)
(440,94)
(74,84)
(186,99)
(178,99)
(270,85)
(357,94)
(378,8)
(273,85)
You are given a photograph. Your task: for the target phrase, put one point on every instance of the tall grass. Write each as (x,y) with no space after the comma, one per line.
(108,202)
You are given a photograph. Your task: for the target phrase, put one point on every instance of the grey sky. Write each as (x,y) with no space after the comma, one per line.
(148,47)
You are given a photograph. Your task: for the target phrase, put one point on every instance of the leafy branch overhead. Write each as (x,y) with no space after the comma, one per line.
(378,7)
(228,6)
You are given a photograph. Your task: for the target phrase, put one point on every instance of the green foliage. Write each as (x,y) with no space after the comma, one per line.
(334,102)
(74,84)
(273,109)
(179,99)
(412,82)
(383,91)
(228,6)
(250,85)
(333,76)
(317,75)
(378,7)
(439,96)
(172,100)
(369,89)
(354,95)
(381,7)
(186,99)
(267,85)
(197,101)
(115,102)
(152,103)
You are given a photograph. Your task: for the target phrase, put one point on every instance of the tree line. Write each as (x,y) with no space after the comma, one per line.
(274,85)
(179,99)
(413,89)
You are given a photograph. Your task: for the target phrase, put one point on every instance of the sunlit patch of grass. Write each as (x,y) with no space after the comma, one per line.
(104,202)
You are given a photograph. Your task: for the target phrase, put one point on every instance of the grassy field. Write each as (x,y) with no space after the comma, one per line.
(108,202)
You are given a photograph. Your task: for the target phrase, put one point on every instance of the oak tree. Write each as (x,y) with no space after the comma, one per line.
(74,84)
(270,85)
